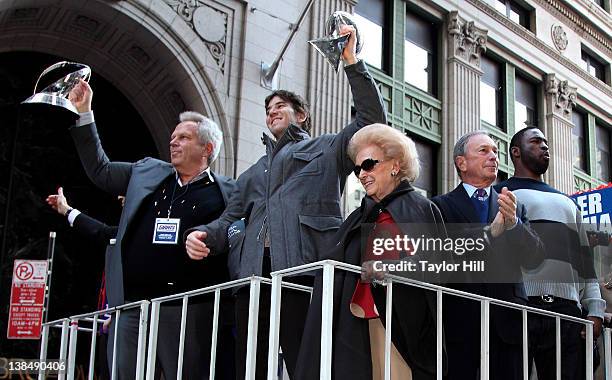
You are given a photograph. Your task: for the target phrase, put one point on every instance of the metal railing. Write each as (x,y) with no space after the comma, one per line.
(69,335)
(70,326)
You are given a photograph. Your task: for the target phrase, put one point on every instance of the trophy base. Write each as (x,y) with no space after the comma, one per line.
(52,107)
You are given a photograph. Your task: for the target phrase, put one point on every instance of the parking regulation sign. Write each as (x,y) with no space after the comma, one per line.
(27,299)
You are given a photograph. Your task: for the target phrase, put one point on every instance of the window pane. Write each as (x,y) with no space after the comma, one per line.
(500,5)
(426,180)
(578,140)
(372,35)
(490,92)
(514,16)
(525,104)
(603,153)
(421,32)
(420,49)
(488,103)
(592,65)
(417,66)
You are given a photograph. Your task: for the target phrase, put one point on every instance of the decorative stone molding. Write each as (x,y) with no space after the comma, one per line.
(539,44)
(562,96)
(581,24)
(559,37)
(209,23)
(469,41)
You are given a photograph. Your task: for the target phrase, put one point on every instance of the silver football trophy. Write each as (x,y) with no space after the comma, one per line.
(59,78)
(331,47)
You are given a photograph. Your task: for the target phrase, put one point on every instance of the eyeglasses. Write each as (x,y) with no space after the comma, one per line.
(367,165)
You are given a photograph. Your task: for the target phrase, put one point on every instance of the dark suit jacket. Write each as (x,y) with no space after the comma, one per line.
(94,229)
(515,248)
(135,180)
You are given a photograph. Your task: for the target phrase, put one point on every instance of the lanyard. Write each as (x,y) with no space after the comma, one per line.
(173,199)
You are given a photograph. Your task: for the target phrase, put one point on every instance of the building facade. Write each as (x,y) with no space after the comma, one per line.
(445,67)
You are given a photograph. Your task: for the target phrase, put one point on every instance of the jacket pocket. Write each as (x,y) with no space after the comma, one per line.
(317,236)
(305,164)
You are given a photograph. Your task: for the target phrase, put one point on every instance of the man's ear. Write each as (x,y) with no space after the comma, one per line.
(208,150)
(515,152)
(300,117)
(461,163)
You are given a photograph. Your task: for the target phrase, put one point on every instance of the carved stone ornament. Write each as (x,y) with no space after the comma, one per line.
(209,23)
(563,95)
(559,37)
(469,41)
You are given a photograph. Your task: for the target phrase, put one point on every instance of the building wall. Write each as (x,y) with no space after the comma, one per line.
(171,55)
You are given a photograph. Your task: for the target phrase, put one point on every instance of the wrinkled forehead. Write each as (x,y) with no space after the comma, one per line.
(478,141)
(185,127)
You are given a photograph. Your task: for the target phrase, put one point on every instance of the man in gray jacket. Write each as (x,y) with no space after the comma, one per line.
(148,260)
(290,200)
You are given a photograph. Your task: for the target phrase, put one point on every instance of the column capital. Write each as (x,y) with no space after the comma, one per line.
(468,41)
(560,96)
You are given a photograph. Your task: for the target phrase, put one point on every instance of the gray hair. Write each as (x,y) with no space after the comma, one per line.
(207,130)
(459,149)
(393,143)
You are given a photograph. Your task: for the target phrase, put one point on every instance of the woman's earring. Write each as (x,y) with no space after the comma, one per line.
(393,174)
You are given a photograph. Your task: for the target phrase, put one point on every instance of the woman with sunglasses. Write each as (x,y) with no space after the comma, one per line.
(386,162)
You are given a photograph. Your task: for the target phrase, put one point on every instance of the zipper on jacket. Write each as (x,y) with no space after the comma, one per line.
(262,227)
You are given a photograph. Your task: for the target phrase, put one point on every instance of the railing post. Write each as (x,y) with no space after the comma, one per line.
(181,347)
(608,353)
(64,347)
(117,316)
(589,351)
(327,316)
(484,339)
(92,349)
(251,354)
(525,346)
(44,342)
(142,339)
(558,348)
(72,347)
(439,326)
(388,327)
(152,352)
(215,332)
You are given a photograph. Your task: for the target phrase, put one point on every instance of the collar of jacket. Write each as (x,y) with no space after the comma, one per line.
(292,133)
(370,208)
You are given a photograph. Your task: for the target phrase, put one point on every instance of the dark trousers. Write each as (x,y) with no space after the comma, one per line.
(198,338)
(294,308)
(505,360)
(542,341)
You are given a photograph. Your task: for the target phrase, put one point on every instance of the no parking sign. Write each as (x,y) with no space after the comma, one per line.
(27,299)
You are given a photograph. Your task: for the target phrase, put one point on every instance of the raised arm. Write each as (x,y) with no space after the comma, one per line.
(368,101)
(112,177)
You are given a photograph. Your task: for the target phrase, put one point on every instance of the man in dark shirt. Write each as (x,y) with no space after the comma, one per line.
(162,201)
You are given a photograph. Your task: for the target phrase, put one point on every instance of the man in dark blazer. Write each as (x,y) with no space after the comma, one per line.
(163,199)
(474,209)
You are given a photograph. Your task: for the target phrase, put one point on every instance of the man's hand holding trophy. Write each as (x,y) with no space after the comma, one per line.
(343,41)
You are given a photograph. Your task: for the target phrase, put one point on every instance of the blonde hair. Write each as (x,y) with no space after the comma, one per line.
(393,143)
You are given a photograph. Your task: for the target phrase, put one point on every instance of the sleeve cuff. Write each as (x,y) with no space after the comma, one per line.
(72,216)
(85,118)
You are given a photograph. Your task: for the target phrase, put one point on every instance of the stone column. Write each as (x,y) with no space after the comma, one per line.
(466,42)
(328,92)
(559,100)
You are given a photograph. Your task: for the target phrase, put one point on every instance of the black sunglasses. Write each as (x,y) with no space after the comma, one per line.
(367,165)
